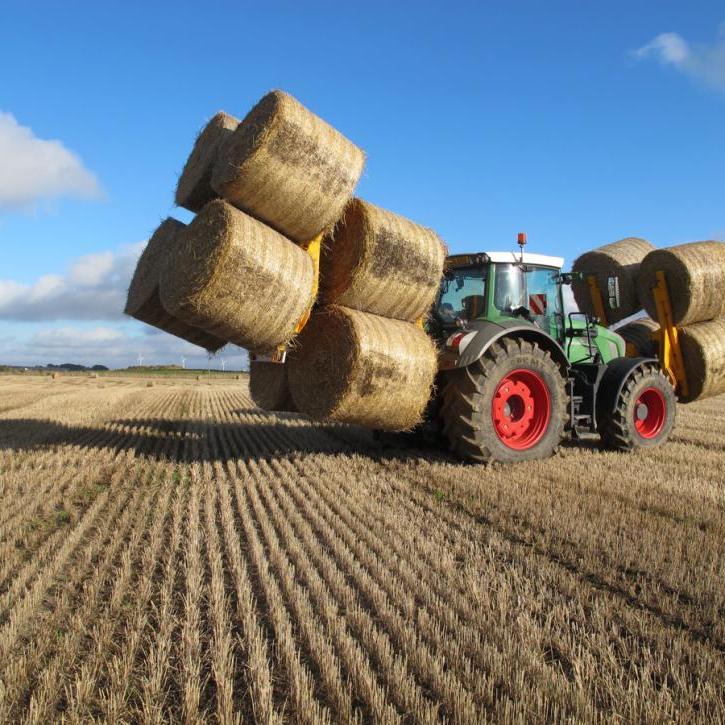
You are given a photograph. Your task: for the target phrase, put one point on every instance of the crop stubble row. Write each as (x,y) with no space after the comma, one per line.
(218,562)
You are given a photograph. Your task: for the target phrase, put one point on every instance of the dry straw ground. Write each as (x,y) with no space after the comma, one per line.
(171,552)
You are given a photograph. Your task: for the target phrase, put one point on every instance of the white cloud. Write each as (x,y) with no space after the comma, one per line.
(93,288)
(33,169)
(112,346)
(666,47)
(702,62)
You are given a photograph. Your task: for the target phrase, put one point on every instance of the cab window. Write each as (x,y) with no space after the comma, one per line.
(542,292)
(463,294)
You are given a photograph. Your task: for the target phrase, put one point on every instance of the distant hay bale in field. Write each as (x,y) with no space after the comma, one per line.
(55,376)
(639,335)
(143,301)
(695,274)
(703,350)
(198,377)
(355,367)
(621,259)
(150,384)
(237,279)
(194,188)
(288,167)
(269,387)
(379,262)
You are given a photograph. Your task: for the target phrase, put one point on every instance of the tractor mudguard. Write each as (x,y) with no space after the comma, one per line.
(482,334)
(613,380)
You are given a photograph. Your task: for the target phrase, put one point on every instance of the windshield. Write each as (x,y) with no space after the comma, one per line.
(463,294)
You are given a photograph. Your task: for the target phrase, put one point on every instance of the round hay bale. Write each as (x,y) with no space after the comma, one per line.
(194,188)
(198,377)
(621,259)
(269,387)
(703,350)
(288,167)
(639,335)
(695,274)
(379,262)
(150,384)
(355,367)
(237,279)
(143,301)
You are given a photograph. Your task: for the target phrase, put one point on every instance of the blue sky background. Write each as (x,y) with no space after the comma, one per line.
(578,122)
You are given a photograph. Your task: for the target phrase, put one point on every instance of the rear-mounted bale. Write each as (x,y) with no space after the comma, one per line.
(639,335)
(379,262)
(695,275)
(236,278)
(620,259)
(144,303)
(288,167)
(194,188)
(354,367)
(269,387)
(703,351)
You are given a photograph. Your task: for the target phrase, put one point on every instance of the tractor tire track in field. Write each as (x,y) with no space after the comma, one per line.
(173,553)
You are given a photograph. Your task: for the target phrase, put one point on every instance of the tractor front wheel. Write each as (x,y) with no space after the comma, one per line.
(643,414)
(510,405)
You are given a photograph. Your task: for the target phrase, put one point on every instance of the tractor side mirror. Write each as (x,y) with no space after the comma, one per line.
(613,292)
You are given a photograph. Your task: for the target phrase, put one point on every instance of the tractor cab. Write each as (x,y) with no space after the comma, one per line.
(501,287)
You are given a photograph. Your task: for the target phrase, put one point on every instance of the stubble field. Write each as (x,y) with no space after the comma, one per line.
(169,553)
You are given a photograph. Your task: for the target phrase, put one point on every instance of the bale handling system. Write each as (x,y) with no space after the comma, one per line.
(518,374)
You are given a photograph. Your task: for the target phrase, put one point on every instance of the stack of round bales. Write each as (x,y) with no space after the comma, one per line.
(287,167)
(238,279)
(361,359)
(695,276)
(355,367)
(621,260)
(144,302)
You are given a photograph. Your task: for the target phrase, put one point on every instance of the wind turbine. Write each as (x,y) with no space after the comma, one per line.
(183,363)
(224,363)
(140,360)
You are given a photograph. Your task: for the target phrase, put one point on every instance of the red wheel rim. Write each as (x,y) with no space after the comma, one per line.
(650,413)
(521,409)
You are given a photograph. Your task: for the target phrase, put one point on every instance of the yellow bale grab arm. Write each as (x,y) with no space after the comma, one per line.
(279,355)
(671,357)
(597,301)
(312,248)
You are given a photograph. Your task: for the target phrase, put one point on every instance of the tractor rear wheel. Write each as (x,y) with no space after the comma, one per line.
(510,405)
(644,413)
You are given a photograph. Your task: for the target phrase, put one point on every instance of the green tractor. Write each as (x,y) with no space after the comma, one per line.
(518,373)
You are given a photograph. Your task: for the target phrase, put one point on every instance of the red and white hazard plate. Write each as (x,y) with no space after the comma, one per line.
(537,304)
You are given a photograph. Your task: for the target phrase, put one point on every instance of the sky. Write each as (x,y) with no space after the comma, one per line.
(577,122)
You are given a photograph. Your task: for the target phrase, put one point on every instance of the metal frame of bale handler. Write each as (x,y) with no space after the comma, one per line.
(279,355)
(670,353)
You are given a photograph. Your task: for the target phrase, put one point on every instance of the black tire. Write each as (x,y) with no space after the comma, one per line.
(467,412)
(623,430)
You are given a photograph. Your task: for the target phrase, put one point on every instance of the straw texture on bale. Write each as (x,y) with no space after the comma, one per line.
(379,262)
(621,259)
(194,188)
(143,300)
(354,367)
(695,274)
(236,278)
(288,167)
(639,335)
(703,350)
(269,387)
